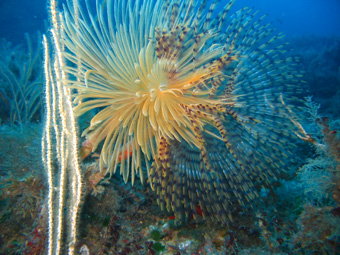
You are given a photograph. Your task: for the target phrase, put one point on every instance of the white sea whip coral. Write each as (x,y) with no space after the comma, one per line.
(187,90)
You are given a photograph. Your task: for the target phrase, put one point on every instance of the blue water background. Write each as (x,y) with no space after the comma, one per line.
(292,17)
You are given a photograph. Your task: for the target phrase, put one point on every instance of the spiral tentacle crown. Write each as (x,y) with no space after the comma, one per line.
(192,92)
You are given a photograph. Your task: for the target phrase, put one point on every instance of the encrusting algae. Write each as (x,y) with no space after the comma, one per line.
(195,96)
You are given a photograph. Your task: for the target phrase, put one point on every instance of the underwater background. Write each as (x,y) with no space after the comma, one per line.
(294,18)
(298,214)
